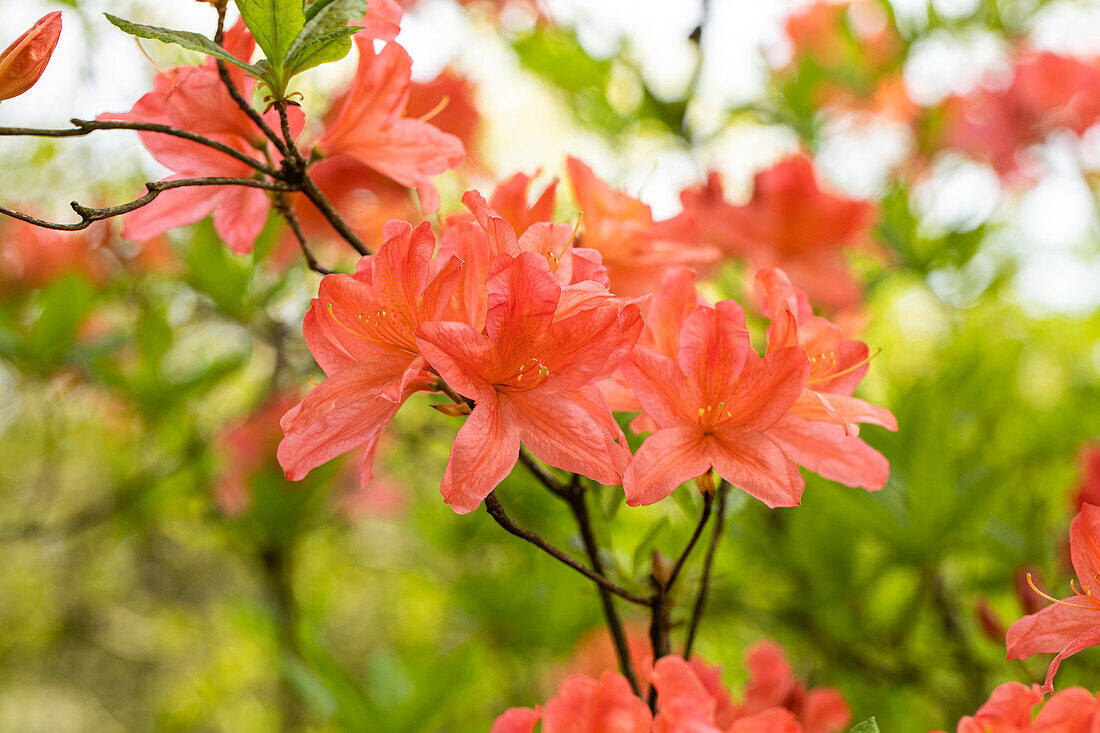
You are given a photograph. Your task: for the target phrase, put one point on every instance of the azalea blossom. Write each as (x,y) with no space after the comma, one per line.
(606,705)
(713,405)
(194,98)
(792,224)
(1071,624)
(1047,91)
(821,430)
(33,257)
(370,126)
(531,376)
(622,230)
(360,329)
(1011,709)
(22,63)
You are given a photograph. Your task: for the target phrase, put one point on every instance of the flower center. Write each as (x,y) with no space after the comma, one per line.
(711,415)
(530,374)
(379,328)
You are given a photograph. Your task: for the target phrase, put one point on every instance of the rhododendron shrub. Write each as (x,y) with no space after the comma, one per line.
(350,337)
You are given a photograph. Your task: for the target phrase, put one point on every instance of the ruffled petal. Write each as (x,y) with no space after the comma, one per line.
(563,434)
(666,459)
(826,449)
(757,465)
(482,455)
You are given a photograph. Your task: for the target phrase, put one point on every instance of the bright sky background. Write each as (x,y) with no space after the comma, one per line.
(1050,229)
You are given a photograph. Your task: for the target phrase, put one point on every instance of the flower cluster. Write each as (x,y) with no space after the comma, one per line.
(1012,709)
(522,327)
(692,698)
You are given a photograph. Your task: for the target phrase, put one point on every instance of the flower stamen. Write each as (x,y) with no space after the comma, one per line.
(1060,602)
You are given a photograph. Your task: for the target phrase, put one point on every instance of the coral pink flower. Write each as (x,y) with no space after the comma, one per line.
(622,230)
(583,705)
(360,330)
(1047,91)
(821,431)
(1088,491)
(369,125)
(791,223)
(248,446)
(193,98)
(772,684)
(22,63)
(32,257)
(688,706)
(1011,709)
(510,201)
(448,102)
(1071,624)
(713,405)
(532,375)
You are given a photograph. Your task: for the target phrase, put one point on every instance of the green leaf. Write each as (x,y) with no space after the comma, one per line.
(868,726)
(275,24)
(325,36)
(186,39)
(322,50)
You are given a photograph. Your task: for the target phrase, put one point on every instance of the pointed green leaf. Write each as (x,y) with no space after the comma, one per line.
(331,47)
(274,24)
(324,37)
(186,39)
(868,726)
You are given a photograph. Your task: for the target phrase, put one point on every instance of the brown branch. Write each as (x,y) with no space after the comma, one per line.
(85,127)
(708,564)
(496,511)
(317,196)
(579,505)
(235,93)
(89,216)
(708,502)
(287,212)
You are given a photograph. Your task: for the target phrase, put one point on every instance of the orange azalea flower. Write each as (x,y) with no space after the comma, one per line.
(1048,91)
(790,223)
(447,102)
(369,124)
(622,230)
(713,405)
(1011,709)
(583,704)
(1070,624)
(360,329)
(532,375)
(32,257)
(22,63)
(821,430)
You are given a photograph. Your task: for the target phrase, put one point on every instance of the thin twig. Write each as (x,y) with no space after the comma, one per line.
(546,478)
(235,93)
(287,212)
(85,127)
(496,511)
(708,502)
(579,505)
(89,216)
(708,564)
(317,196)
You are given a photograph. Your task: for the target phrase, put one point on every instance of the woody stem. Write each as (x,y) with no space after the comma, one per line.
(708,564)
(496,511)
(578,504)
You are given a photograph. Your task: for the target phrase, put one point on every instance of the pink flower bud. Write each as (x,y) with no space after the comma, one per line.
(23,61)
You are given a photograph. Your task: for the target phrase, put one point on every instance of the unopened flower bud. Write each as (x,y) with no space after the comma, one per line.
(23,61)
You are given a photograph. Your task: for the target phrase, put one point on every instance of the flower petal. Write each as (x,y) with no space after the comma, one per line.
(563,434)
(1088,639)
(483,454)
(767,388)
(755,464)
(1084,545)
(1051,629)
(713,345)
(666,459)
(658,384)
(459,354)
(522,298)
(517,720)
(825,449)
